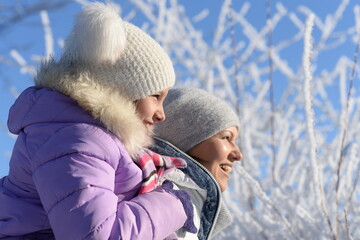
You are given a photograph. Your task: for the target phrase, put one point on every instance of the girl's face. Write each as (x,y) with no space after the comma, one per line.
(218,154)
(150,109)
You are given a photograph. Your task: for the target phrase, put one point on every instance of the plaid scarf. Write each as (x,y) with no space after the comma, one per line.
(154,166)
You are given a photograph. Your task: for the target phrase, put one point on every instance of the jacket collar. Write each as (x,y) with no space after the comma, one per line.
(214,216)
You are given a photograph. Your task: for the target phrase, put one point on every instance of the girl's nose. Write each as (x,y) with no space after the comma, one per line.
(159,115)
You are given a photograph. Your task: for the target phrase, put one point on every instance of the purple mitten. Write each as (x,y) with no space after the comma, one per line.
(186,202)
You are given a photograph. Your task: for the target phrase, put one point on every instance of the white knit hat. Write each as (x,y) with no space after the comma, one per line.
(192,116)
(116,53)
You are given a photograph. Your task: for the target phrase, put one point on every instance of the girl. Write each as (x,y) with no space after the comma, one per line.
(71,172)
(202,129)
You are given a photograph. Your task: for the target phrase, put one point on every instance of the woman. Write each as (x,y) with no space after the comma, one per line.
(72,174)
(202,129)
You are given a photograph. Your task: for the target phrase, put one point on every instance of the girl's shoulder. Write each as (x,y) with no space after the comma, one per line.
(84,139)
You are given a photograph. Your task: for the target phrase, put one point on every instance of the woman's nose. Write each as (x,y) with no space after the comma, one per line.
(236,154)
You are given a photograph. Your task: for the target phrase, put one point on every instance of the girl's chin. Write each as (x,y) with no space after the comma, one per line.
(150,129)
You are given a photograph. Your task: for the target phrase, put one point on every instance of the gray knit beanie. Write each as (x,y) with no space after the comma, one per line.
(117,54)
(192,116)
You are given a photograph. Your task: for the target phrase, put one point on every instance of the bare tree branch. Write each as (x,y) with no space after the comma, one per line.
(17,14)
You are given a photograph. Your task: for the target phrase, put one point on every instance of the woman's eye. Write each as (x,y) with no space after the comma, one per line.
(226,137)
(156,96)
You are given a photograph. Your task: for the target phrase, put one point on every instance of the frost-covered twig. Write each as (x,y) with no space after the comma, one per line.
(347,226)
(49,42)
(329,26)
(343,125)
(271,90)
(346,112)
(311,119)
(257,189)
(24,67)
(236,58)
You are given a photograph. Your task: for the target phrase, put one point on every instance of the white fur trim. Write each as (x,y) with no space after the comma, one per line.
(117,113)
(97,37)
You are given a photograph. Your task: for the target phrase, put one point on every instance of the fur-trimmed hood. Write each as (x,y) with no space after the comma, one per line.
(106,65)
(106,104)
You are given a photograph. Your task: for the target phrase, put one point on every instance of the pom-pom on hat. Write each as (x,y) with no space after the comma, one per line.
(192,116)
(117,53)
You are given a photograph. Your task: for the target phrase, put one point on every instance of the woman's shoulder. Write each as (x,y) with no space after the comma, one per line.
(195,173)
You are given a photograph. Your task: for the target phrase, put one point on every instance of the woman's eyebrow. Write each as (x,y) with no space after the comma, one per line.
(229,131)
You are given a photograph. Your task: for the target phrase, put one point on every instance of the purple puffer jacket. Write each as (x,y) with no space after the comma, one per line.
(71,177)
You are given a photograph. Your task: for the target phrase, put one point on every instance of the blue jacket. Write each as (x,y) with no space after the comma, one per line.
(214,214)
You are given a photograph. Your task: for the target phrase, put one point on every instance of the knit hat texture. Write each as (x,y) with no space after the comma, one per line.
(192,116)
(116,53)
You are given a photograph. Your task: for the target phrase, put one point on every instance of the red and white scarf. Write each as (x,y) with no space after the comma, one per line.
(154,166)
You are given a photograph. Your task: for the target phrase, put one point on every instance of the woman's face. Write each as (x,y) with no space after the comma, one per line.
(150,109)
(218,154)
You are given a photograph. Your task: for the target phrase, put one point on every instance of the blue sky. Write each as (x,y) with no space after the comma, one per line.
(27,38)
